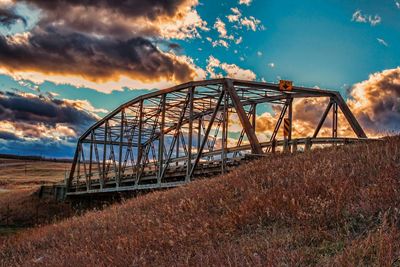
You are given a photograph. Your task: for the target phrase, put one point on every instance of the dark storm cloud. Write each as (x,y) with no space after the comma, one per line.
(55,52)
(28,111)
(129,8)
(97,40)
(8,136)
(8,17)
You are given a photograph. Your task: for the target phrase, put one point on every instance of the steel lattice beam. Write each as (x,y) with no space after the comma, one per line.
(189,125)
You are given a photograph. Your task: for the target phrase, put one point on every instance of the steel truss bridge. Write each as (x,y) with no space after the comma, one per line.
(169,137)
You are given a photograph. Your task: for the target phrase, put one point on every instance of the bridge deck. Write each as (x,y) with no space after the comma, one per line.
(177,173)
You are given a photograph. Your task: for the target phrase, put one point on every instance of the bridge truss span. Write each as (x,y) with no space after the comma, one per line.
(168,137)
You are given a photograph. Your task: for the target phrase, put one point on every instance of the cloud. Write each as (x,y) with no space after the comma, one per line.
(174,18)
(220,43)
(123,47)
(374,20)
(397,3)
(31,116)
(228,70)
(382,42)
(235,16)
(306,115)
(250,23)
(220,27)
(187,26)
(271,65)
(94,59)
(358,17)
(361,18)
(245,2)
(259,53)
(376,102)
(8,136)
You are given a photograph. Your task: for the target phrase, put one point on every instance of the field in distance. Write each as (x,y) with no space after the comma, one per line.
(20,180)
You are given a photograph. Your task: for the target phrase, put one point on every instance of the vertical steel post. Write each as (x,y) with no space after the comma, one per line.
(349,116)
(190,134)
(177,148)
(290,117)
(334,120)
(90,158)
(199,129)
(224,133)
(121,138)
(161,139)
(104,153)
(78,164)
(139,142)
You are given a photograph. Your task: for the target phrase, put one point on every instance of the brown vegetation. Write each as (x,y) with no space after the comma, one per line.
(20,180)
(335,206)
(26,173)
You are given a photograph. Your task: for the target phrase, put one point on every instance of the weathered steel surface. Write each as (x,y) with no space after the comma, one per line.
(166,138)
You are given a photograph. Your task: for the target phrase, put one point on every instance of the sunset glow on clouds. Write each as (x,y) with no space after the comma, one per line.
(84,58)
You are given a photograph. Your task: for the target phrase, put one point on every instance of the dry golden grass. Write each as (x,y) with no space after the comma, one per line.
(332,207)
(19,181)
(25,173)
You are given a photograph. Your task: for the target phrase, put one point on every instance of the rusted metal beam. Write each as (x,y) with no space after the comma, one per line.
(255,144)
(190,134)
(349,116)
(335,121)
(133,130)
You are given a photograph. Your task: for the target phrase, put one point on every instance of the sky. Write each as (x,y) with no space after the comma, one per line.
(65,63)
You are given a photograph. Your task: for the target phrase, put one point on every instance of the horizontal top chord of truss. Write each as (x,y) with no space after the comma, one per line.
(172,135)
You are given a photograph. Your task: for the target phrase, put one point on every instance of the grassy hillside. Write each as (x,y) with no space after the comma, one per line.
(327,207)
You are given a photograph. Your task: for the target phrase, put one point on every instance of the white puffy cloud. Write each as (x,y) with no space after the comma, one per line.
(218,69)
(251,23)
(187,27)
(240,21)
(245,2)
(235,16)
